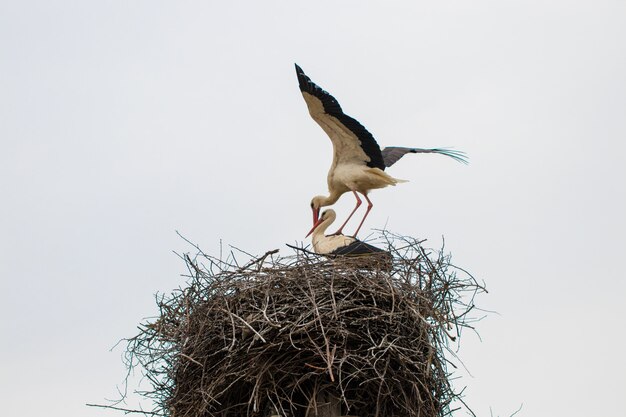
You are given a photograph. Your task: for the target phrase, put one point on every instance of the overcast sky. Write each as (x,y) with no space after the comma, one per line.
(124,121)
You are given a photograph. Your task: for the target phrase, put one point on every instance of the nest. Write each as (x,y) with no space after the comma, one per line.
(283,335)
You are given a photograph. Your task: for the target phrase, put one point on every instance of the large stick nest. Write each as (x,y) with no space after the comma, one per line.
(269,337)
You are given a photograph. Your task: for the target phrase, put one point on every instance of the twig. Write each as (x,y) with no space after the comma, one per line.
(125,410)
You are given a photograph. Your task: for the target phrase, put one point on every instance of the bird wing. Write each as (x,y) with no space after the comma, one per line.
(357,248)
(391,154)
(352,143)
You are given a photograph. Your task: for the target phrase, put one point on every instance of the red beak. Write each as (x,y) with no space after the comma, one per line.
(316,215)
(317,223)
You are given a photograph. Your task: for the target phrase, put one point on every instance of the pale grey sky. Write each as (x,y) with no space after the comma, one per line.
(123,121)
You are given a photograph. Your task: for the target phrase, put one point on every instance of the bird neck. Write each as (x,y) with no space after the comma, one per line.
(320,231)
(331,199)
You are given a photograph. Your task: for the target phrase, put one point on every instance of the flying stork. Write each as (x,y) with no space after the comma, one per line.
(358,163)
(336,244)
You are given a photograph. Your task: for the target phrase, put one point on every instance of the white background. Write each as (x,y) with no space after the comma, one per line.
(123,121)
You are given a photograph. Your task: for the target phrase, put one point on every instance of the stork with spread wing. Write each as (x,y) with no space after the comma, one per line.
(358,163)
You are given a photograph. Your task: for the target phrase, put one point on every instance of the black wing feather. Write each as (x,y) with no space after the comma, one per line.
(357,248)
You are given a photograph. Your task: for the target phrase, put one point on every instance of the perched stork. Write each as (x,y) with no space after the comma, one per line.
(358,163)
(336,244)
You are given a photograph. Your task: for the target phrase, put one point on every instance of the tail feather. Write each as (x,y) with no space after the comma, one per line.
(386,178)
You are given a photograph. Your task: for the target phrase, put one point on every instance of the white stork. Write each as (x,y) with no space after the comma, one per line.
(358,163)
(336,244)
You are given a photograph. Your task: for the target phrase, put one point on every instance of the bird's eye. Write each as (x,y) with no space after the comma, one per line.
(312,205)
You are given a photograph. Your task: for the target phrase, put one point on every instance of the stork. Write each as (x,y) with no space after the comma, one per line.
(336,244)
(358,163)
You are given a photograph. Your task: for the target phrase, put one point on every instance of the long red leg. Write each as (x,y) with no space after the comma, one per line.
(369,207)
(358,204)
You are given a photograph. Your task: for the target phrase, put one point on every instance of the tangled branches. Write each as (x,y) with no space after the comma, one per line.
(282,334)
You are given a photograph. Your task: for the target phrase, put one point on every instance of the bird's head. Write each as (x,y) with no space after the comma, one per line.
(327,217)
(316,203)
